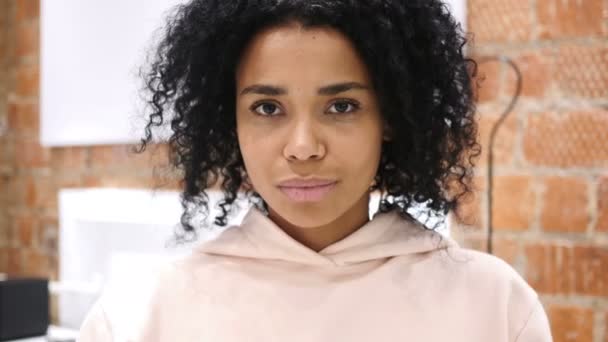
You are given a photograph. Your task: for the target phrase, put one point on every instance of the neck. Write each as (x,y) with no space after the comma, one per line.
(317,238)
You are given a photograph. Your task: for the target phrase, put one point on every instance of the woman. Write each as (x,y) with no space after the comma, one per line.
(306,107)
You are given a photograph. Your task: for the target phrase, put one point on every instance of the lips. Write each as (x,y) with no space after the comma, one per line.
(307,190)
(305,183)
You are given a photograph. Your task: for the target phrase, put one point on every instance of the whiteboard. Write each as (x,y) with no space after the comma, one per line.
(90,54)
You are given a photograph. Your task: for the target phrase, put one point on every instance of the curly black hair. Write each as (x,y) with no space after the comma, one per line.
(414,52)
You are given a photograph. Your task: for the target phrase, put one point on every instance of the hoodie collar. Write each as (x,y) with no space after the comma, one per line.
(386,235)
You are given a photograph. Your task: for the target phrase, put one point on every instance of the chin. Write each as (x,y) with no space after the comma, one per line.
(306,215)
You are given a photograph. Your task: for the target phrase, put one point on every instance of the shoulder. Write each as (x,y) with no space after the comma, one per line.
(125,306)
(179,280)
(487,270)
(487,276)
(185,270)
(484,271)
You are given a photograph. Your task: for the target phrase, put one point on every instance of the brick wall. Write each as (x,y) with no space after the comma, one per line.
(551,187)
(550,212)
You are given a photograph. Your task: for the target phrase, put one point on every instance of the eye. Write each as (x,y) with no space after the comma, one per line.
(266,109)
(343,107)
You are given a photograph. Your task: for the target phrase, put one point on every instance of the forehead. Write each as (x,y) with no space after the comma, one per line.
(292,53)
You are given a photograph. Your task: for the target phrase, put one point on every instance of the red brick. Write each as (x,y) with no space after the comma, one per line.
(64,179)
(469,209)
(499,21)
(27,40)
(12,236)
(14,262)
(537,74)
(514,203)
(581,71)
(174,182)
(123,156)
(104,156)
(47,194)
(3,46)
(7,152)
(23,119)
(3,260)
(15,187)
(471,242)
(558,18)
(48,236)
(565,205)
(69,159)
(111,156)
(120,181)
(606,328)
(5,197)
(25,226)
(4,232)
(30,154)
(487,81)
(27,80)
(505,140)
(602,205)
(27,10)
(31,193)
(571,323)
(573,139)
(568,270)
(5,27)
(37,192)
(38,264)
(506,249)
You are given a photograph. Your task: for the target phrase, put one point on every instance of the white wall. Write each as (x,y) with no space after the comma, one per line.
(90,54)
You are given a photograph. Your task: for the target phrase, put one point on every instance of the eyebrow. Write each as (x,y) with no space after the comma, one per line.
(332,89)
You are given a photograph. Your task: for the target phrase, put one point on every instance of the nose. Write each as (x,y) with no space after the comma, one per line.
(303,143)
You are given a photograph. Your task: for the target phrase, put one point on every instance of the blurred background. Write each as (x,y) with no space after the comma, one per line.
(547,208)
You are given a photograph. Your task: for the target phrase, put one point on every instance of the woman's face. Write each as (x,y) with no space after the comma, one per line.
(306,111)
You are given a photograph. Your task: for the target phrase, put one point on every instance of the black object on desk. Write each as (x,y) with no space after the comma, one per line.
(24,308)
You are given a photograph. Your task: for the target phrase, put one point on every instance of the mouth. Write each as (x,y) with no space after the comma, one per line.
(307,191)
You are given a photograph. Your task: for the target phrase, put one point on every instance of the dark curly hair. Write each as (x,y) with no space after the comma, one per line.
(414,52)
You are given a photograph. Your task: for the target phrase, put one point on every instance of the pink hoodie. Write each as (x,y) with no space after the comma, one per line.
(391,280)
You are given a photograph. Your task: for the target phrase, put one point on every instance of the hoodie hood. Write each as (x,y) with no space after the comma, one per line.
(385,235)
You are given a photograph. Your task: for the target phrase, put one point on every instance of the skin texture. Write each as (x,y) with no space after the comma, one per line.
(303,133)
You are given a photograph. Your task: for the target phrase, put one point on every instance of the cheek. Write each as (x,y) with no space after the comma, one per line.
(361,159)
(248,150)
(255,152)
(360,153)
